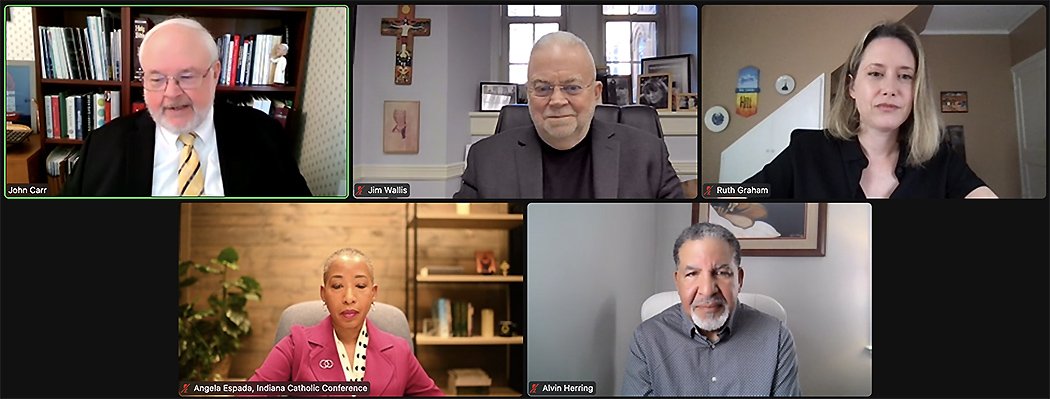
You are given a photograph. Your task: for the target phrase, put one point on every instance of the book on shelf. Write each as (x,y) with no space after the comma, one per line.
(245,60)
(276,108)
(89,53)
(468,381)
(60,163)
(453,318)
(74,116)
(142,25)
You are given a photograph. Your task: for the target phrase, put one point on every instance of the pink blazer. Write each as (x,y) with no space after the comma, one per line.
(391,367)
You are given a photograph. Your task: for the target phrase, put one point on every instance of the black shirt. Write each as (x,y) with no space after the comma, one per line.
(816,166)
(568,173)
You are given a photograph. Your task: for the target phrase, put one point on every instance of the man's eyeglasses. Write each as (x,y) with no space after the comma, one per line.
(185,81)
(546,90)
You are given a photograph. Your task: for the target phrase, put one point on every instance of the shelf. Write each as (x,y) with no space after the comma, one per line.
(490,221)
(63,141)
(493,391)
(79,82)
(468,278)
(429,340)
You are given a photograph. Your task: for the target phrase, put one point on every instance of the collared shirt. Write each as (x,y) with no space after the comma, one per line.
(754,356)
(353,366)
(818,167)
(166,159)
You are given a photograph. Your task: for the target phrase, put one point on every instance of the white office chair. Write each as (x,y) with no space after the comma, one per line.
(387,317)
(765,304)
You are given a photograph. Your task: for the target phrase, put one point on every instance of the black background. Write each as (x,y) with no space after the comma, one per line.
(88,297)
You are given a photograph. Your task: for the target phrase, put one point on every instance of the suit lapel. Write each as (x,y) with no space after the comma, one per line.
(606,155)
(379,370)
(323,353)
(529,165)
(229,165)
(140,156)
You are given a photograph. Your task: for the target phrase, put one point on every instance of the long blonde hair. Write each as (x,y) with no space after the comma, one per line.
(922,130)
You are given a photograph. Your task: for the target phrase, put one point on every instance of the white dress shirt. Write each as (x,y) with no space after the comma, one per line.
(166,159)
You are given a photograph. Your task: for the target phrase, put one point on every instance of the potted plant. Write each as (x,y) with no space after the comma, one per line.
(208,335)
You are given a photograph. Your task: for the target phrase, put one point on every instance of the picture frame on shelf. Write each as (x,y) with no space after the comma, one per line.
(679,66)
(654,90)
(617,90)
(492,96)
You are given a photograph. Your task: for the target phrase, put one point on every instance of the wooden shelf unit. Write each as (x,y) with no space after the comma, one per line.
(493,354)
(244,21)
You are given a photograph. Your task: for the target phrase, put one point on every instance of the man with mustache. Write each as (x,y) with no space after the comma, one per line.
(566,153)
(185,144)
(709,344)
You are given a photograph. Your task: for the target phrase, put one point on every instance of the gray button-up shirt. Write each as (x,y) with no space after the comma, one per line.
(754,356)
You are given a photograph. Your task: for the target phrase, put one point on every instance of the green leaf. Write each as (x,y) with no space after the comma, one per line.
(184,267)
(236,301)
(187,282)
(228,255)
(206,269)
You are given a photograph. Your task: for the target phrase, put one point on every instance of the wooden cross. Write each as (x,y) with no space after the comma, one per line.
(406,26)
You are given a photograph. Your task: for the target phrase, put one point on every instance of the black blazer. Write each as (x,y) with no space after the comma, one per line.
(818,167)
(255,157)
(628,163)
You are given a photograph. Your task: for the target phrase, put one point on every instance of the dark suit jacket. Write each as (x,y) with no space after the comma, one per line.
(818,167)
(255,157)
(628,163)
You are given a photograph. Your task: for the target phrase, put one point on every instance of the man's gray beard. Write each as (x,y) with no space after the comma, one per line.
(709,324)
(198,118)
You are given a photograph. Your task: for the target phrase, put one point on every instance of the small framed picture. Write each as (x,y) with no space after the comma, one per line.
(617,90)
(654,90)
(486,262)
(492,96)
(401,127)
(687,102)
(954,101)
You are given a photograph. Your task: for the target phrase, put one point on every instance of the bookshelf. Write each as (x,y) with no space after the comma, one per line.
(436,233)
(291,23)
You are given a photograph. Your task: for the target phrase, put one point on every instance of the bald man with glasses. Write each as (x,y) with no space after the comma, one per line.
(185,144)
(566,153)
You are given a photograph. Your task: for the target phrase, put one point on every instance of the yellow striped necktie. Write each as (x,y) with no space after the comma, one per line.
(191,171)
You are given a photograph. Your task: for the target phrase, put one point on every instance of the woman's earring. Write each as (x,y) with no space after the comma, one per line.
(324,306)
(373,306)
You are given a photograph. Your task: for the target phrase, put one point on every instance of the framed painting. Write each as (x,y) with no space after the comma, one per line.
(770,229)
(401,127)
(954,101)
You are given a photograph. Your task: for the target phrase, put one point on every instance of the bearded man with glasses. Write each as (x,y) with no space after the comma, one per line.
(185,144)
(565,153)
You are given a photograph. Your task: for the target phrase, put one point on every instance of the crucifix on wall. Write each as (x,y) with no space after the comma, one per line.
(406,27)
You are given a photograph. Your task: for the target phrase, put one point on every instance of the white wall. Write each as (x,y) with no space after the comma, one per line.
(446,70)
(588,274)
(621,254)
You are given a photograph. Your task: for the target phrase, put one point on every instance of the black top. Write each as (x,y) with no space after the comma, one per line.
(816,166)
(568,173)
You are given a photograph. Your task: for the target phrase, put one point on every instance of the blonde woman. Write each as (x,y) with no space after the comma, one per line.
(884,136)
